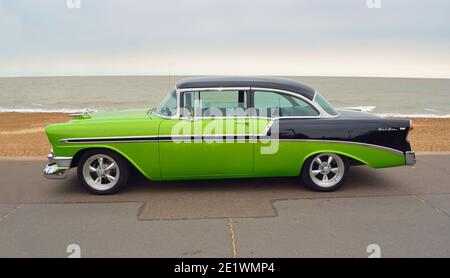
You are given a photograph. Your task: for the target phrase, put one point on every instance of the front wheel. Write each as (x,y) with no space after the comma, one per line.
(325,172)
(102,172)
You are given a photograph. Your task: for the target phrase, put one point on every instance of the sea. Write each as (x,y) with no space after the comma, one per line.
(396,97)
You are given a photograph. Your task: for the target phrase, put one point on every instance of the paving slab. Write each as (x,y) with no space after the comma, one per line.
(404,210)
(439,202)
(5,210)
(345,227)
(108,230)
(201,208)
(22,182)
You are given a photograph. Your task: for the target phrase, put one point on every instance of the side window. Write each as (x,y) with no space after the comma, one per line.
(272,104)
(188,104)
(215,103)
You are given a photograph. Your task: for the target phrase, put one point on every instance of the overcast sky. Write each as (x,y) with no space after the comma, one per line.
(406,38)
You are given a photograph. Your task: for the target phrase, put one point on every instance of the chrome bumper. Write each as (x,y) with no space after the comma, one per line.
(58,168)
(410,158)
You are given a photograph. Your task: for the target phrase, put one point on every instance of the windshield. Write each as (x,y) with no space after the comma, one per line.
(319,99)
(168,107)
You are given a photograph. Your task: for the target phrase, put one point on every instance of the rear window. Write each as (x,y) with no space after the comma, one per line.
(274,104)
(320,100)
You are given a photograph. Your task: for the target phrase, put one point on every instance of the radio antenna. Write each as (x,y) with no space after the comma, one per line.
(169,79)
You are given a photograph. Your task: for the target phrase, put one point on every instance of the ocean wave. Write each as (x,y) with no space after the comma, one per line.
(395,115)
(43,110)
(74,110)
(360,108)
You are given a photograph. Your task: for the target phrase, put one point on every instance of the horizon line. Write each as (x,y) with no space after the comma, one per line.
(193,75)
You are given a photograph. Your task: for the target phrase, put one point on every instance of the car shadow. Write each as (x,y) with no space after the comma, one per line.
(361,177)
(362,181)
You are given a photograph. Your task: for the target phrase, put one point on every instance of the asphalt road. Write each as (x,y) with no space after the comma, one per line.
(405,211)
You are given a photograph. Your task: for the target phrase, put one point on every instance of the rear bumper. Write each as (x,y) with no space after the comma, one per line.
(57,168)
(410,158)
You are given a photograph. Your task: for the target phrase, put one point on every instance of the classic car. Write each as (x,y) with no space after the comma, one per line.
(227,127)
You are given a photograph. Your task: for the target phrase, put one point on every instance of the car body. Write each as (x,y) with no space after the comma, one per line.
(268,127)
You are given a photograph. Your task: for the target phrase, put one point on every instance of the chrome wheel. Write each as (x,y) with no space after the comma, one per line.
(326,170)
(101,172)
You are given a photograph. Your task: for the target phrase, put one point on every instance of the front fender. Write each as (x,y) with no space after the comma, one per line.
(143,156)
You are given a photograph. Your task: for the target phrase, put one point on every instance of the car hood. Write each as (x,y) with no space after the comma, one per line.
(134,114)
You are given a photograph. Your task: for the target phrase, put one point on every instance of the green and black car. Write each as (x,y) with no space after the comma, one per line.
(227,127)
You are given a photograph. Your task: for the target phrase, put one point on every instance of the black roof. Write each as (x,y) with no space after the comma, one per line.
(248,81)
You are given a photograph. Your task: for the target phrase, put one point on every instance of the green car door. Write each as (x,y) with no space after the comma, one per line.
(209,137)
(274,157)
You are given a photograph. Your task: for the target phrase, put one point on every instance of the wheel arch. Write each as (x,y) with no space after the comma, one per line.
(353,160)
(80,153)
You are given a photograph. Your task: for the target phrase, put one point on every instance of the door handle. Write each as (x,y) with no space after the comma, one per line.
(246,123)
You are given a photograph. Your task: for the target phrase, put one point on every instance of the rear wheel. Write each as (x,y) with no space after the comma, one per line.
(102,172)
(325,172)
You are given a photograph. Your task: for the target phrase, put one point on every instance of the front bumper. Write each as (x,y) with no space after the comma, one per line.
(410,158)
(58,168)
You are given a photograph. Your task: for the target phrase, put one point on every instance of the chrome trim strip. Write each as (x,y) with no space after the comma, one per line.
(219,137)
(121,140)
(113,139)
(146,139)
(210,135)
(268,127)
(345,142)
(215,89)
(171,138)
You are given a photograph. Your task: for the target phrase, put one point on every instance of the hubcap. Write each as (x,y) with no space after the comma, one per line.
(100,172)
(327,169)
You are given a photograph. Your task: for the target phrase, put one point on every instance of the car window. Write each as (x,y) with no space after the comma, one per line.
(168,107)
(319,99)
(272,104)
(188,100)
(215,103)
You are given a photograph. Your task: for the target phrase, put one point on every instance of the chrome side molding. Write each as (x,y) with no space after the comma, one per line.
(62,162)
